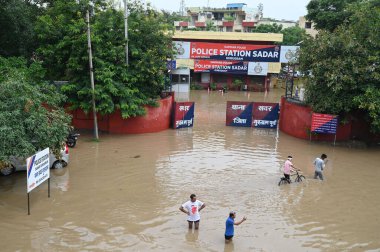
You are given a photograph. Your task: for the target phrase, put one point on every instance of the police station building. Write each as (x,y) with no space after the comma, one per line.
(239,61)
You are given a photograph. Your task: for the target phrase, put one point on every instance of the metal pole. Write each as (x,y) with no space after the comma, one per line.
(334,139)
(96,134)
(28,204)
(48,187)
(126,31)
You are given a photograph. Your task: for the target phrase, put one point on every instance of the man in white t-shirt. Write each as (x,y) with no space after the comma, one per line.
(192,209)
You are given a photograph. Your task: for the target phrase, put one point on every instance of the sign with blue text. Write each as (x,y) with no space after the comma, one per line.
(239,114)
(38,169)
(265,115)
(324,123)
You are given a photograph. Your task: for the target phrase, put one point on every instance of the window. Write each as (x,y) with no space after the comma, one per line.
(229,29)
(176,78)
(184,79)
(307,25)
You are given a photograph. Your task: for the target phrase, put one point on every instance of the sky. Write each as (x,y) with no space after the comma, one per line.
(279,9)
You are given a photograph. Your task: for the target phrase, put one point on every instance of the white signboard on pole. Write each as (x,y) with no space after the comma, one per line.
(258,68)
(182,49)
(289,53)
(38,169)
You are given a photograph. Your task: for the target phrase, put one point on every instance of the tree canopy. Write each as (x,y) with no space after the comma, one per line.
(17,21)
(63,51)
(329,14)
(268,28)
(292,35)
(345,66)
(31,115)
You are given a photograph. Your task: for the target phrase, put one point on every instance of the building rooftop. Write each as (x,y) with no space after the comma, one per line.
(235,5)
(207,35)
(277,20)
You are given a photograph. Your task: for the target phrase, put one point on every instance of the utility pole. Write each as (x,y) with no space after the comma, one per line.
(182,8)
(126,31)
(96,134)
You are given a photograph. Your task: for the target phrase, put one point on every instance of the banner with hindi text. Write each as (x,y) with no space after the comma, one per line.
(239,114)
(265,115)
(183,115)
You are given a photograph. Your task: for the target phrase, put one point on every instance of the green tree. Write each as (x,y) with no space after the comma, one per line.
(170,17)
(329,14)
(17,20)
(33,72)
(345,66)
(268,28)
(210,26)
(31,115)
(62,36)
(294,35)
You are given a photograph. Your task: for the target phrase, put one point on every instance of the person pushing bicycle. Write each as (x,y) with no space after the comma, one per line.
(288,168)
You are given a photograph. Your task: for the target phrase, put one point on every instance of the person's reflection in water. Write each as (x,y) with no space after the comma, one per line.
(229,246)
(192,236)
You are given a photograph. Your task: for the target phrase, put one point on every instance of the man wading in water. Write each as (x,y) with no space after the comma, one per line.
(230,222)
(319,164)
(192,209)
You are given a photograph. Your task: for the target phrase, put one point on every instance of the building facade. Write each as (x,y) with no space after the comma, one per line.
(236,17)
(269,21)
(233,60)
(308,26)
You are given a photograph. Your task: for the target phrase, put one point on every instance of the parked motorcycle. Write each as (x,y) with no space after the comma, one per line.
(72,139)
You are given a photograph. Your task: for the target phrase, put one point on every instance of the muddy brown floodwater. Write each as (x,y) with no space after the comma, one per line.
(123,193)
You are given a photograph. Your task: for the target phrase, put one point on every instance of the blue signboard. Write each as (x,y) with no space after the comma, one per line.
(239,114)
(324,123)
(265,115)
(171,64)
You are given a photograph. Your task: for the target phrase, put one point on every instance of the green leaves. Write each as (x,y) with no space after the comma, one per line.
(345,66)
(329,14)
(31,116)
(292,35)
(63,48)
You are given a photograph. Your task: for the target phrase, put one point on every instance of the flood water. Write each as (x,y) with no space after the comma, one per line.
(123,193)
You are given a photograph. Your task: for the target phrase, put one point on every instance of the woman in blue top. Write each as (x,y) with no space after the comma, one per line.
(230,222)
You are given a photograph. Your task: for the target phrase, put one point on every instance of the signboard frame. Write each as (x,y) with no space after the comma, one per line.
(324,124)
(239,114)
(183,115)
(37,172)
(265,115)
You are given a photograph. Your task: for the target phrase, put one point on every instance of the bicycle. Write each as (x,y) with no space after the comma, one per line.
(299,178)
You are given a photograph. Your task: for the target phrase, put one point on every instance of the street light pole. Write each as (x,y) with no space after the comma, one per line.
(126,31)
(96,134)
